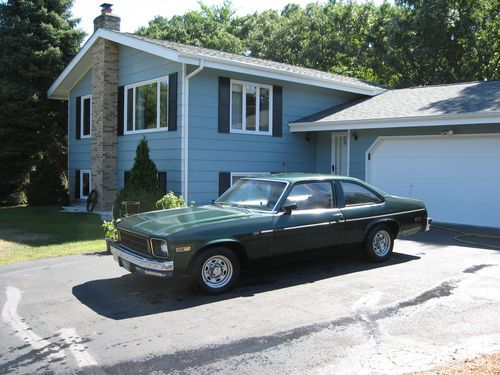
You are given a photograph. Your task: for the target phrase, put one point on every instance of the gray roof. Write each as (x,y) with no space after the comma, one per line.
(453,99)
(200,51)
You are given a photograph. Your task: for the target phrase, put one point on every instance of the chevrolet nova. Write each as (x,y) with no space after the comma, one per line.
(263,217)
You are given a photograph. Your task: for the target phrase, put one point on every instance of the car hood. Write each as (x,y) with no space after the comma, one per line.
(164,222)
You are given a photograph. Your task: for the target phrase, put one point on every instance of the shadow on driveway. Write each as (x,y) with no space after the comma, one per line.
(442,234)
(134,295)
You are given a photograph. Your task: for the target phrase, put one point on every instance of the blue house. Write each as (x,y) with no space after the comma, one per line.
(211,117)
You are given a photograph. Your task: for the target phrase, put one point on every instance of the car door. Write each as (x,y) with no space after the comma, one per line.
(314,223)
(360,206)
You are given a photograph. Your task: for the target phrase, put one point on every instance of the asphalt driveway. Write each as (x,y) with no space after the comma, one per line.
(436,301)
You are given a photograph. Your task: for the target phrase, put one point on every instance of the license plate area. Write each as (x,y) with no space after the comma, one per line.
(127,265)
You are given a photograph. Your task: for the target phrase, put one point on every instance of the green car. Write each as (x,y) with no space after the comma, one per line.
(261,217)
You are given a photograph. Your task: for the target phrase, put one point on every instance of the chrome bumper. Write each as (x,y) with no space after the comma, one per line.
(428,225)
(133,262)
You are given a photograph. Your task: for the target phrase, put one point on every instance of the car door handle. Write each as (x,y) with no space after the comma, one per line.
(337,217)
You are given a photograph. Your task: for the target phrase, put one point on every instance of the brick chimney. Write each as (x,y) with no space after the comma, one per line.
(105,60)
(107,20)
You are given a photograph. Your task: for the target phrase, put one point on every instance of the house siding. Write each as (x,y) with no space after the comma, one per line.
(211,152)
(165,147)
(79,149)
(366,138)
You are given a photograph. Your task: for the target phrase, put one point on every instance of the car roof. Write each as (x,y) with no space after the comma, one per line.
(298,177)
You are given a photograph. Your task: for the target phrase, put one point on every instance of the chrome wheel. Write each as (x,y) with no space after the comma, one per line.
(381,243)
(217,271)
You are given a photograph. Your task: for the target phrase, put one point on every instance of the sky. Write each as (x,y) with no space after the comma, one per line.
(134,13)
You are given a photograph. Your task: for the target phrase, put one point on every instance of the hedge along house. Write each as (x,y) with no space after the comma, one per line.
(210,117)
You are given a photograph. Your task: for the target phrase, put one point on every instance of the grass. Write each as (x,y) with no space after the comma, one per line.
(29,233)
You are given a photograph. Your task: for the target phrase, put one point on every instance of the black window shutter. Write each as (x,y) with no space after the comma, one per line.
(77,184)
(172,102)
(126,178)
(277,111)
(224,182)
(224,98)
(78,116)
(121,108)
(162,181)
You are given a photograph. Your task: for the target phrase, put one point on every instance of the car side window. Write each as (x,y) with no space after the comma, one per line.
(355,194)
(311,195)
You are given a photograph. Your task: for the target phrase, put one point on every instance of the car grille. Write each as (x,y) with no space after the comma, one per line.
(134,241)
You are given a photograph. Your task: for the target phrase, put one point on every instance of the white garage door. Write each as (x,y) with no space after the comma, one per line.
(458,177)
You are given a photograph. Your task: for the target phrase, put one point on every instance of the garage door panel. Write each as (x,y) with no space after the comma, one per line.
(457,177)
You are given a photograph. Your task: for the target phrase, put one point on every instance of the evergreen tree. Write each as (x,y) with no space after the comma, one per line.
(38,38)
(143,185)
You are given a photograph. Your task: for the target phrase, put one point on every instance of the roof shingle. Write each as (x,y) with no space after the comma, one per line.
(453,99)
(184,48)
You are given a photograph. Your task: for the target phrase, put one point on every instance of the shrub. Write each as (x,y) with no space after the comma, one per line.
(170,200)
(143,185)
(110,231)
(47,184)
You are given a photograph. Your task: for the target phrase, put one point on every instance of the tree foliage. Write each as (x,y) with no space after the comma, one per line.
(47,185)
(411,42)
(37,40)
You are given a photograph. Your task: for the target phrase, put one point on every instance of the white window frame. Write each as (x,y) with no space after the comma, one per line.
(243,129)
(82,112)
(247,174)
(82,172)
(125,106)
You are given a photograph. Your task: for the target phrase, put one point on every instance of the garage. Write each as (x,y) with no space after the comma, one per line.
(457,176)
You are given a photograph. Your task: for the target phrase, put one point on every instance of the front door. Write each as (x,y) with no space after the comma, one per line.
(340,149)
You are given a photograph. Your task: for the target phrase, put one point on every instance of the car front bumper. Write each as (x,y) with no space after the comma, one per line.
(428,225)
(133,262)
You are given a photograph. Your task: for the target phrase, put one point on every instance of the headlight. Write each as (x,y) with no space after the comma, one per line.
(159,248)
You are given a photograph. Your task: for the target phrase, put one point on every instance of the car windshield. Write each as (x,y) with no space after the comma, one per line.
(253,194)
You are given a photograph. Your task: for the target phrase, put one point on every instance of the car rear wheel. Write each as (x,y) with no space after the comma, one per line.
(216,270)
(379,244)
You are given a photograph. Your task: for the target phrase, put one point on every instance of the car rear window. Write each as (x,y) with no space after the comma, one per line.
(355,194)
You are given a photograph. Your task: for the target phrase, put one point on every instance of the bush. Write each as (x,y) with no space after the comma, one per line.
(47,185)
(170,200)
(110,231)
(143,185)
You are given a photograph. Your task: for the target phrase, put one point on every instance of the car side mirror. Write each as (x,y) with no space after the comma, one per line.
(289,208)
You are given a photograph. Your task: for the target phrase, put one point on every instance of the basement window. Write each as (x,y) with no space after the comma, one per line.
(146,106)
(85,183)
(251,108)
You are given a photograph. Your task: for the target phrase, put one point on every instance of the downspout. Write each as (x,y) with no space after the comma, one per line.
(185,127)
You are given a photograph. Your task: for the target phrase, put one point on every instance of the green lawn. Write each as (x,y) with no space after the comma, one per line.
(28,233)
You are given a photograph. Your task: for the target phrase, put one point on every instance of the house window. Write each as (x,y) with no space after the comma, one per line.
(251,108)
(146,106)
(85,184)
(236,176)
(86,116)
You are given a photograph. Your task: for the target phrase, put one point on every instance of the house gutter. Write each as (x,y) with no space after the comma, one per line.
(185,126)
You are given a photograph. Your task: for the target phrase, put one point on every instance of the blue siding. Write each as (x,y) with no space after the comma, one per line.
(323,152)
(165,146)
(211,152)
(79,149)
(367,137)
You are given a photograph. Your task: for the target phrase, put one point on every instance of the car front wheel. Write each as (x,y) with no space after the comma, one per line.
(216,270)
(379,244)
